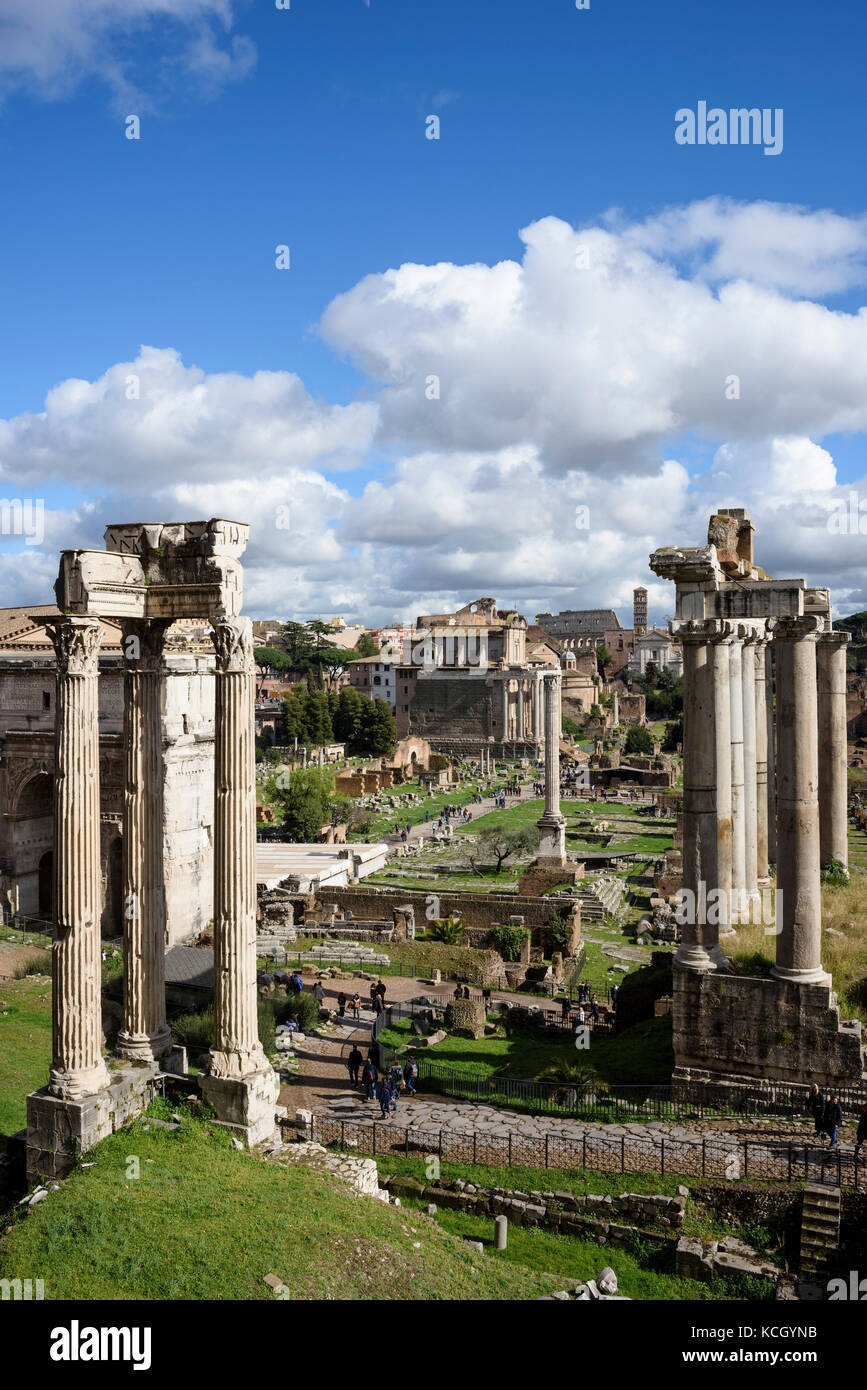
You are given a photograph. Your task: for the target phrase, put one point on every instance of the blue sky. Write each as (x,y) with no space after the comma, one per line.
(546,112)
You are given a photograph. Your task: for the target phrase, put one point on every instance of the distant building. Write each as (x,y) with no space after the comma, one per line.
(657,646)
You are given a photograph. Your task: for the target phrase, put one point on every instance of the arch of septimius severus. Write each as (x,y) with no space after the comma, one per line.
(146,578)
(764,782)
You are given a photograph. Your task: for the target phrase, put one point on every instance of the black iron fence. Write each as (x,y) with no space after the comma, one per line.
(36,931)
(765,1159)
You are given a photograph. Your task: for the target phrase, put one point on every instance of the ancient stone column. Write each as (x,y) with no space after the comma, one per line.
(833,774)
(739,872)
(505,708)
(552,825)
(236,1052)
(771,734)
(78,1068)
(144,1034)
(761,724)
(799,903)
(751,828)
(706,794)
(520,708)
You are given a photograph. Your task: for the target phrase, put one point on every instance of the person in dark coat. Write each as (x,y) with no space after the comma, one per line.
(354,1061)
(833,1118)
(817,1109)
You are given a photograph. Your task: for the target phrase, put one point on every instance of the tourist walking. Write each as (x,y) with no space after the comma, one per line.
(355,1006)
(396,1082)
(319,993)
(373,1054)
(380,989)
(833,1118)
(354,1061)
(410,1074)
(368,1076)
(341,1005)
(817,1109)
(384,1098)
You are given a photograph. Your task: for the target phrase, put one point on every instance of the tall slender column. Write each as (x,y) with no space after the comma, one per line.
(751,829)
(739,874)
(771,732)
(520,709)
(78,1068)
(236,1052)
(552,825)
(506,707)
(706,794)
(761,724)
(833,783)
(144,1033)
(799,903)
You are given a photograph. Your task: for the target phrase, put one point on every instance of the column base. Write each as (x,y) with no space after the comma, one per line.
(60,1130)
(552,838)
(701,959)
(816,976)
(144,1047)
(245,1105)
(75,1085)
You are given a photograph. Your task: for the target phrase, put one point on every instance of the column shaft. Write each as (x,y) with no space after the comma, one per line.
(771,733)
(739,875)
(144,1033)
(78,1068)
(799,903)
(761,763)
(833,764)
(552,825)
(751,830)
(237,1051)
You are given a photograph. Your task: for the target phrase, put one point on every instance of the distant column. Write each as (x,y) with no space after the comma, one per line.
(751,829)
(506,707)
(78,1068)
(144,1033)
(833,765)
(706,793)
(552,825)
(519,709)
(760,650)
(739,876)
(799,901)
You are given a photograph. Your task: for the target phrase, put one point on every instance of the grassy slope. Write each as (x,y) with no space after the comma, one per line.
(207,1222)
(25,1046)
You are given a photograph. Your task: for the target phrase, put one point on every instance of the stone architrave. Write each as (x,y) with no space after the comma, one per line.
(144,1033)
(78,1068)
(761,726)
(833,768)
(241,1083)
(799,899)
(552,824)
(706,793)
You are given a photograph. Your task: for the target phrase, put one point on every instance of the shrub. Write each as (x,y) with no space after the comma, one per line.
(33,965)
(449,932)
(508,941)
(834,874)
(267,1026)
(195,1030)
(304,1005)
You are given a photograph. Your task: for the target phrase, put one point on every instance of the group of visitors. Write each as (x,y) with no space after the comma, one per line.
(385,1088)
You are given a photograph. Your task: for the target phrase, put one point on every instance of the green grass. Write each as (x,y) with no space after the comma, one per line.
(642,1055)
(639,1275)
(204,1221)
(25,1047)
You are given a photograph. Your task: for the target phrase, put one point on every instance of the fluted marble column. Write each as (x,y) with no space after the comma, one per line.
(771,735)
(799,902)
(552,825)
(236,1052)
(144,1033)
(736,694)
(506,708)
(761,723)
(520,709)
(706,793)
(78,1068)
(833,775)
(751,829)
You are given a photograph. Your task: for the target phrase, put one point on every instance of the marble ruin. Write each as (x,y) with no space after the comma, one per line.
(764,783)
(148,576)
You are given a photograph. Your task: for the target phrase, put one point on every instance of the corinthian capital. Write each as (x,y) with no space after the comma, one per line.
(76,644)
(144,641)
(233,643)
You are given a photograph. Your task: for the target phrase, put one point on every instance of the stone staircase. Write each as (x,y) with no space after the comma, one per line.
(820,1231)
(601,898)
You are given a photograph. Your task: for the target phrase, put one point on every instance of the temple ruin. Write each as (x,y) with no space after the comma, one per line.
(764,783)
(147,577)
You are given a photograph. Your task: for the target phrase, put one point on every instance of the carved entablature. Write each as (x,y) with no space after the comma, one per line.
(695,564)
(181,570)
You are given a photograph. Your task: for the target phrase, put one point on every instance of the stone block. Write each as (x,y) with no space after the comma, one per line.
(694,1259)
